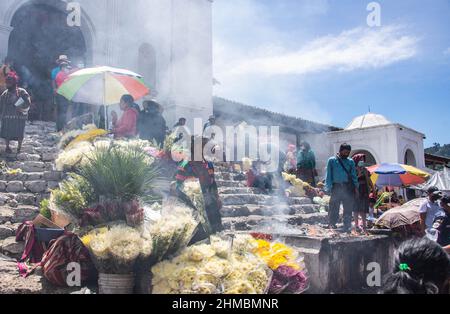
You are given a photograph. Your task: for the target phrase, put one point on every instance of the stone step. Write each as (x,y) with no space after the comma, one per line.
(31,176)
(267,210)
(18,215)
(258,221)
(31,166)
(227,176)
(243,199)
(233,190)
(236,184)
(262,199)
(37,186)
(18,199)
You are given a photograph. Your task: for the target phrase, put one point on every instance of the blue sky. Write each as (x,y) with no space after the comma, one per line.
(318,59)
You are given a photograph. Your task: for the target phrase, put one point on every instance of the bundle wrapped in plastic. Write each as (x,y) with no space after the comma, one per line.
(212,269)
(115,250)
(170,231)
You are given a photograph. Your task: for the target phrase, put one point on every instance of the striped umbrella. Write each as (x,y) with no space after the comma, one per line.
(102,86)
(396,175)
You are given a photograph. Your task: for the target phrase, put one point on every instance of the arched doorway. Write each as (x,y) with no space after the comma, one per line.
(40,34)
(410,158)
(370,159)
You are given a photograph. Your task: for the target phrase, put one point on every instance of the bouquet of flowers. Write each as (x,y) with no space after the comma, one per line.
(72,196)
(171,233)
(87,136)
(213,268)
(288,266)
(116,250)
(193,190)
(68,137)
(297,188)
(70,158)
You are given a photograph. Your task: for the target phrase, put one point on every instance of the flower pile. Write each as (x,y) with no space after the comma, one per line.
(116,250)
(297,188)
(87,136)
(70,158)
(213,268)
(289,269)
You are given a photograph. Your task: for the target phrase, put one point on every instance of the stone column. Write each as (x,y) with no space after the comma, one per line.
(191,62)
(5,31)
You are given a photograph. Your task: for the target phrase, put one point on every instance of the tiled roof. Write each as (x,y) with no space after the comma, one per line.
(239,112)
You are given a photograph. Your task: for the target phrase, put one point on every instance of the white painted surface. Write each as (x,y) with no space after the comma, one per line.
(180,31)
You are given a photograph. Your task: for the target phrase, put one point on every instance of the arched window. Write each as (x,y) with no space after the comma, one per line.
(147,65)
(370,159)
(410,159)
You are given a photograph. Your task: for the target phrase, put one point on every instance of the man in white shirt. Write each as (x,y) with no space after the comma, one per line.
(430,209)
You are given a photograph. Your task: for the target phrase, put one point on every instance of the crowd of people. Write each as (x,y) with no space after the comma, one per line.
(147,123)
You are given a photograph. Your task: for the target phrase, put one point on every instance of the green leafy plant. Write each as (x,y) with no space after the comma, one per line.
(44,209)
(73,196)
(118,172)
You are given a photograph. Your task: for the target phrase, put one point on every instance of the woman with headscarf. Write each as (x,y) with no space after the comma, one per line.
(15,103)
(306,164)
(365,188)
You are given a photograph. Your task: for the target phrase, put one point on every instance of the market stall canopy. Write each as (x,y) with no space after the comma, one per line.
(405,215)
(397,175)
(440,179)
(102,86)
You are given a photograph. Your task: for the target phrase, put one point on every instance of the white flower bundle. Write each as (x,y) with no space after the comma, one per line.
(116,250)
(209,269)
(70,158)
(171,233)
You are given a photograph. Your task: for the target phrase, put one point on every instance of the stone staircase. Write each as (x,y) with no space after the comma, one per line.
(249,209)
(22,191)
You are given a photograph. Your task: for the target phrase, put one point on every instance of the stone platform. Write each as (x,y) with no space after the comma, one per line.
(339,265)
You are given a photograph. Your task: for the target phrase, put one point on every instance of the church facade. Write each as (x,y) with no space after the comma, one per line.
(168,42)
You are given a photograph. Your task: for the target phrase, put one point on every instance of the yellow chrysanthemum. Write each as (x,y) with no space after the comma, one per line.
(87,136)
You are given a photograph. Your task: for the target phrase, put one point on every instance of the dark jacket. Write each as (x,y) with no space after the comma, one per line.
(152,126)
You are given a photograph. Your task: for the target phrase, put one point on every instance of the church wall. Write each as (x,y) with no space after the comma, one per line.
(413,141)
(179,31)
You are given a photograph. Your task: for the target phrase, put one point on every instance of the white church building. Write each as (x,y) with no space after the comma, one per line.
(377,137)
(169,42)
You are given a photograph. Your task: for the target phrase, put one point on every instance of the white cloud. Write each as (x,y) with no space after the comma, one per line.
(261,64)
(447,51)
(359,48)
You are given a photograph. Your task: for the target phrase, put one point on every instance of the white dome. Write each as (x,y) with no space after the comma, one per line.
(368,120)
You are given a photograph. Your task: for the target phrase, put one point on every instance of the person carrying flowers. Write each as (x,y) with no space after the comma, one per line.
(204,171)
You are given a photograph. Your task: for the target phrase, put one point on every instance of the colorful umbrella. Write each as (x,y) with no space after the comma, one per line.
(407,214)
(102,86)
(396,175)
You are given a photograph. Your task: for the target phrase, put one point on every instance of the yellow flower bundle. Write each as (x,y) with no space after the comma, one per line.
(88,136)
(298,186)
(277,254)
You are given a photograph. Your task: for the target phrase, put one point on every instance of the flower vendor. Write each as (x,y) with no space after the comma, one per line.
(126,126)
(204,171)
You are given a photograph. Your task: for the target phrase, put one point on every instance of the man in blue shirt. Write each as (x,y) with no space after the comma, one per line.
(342,183)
